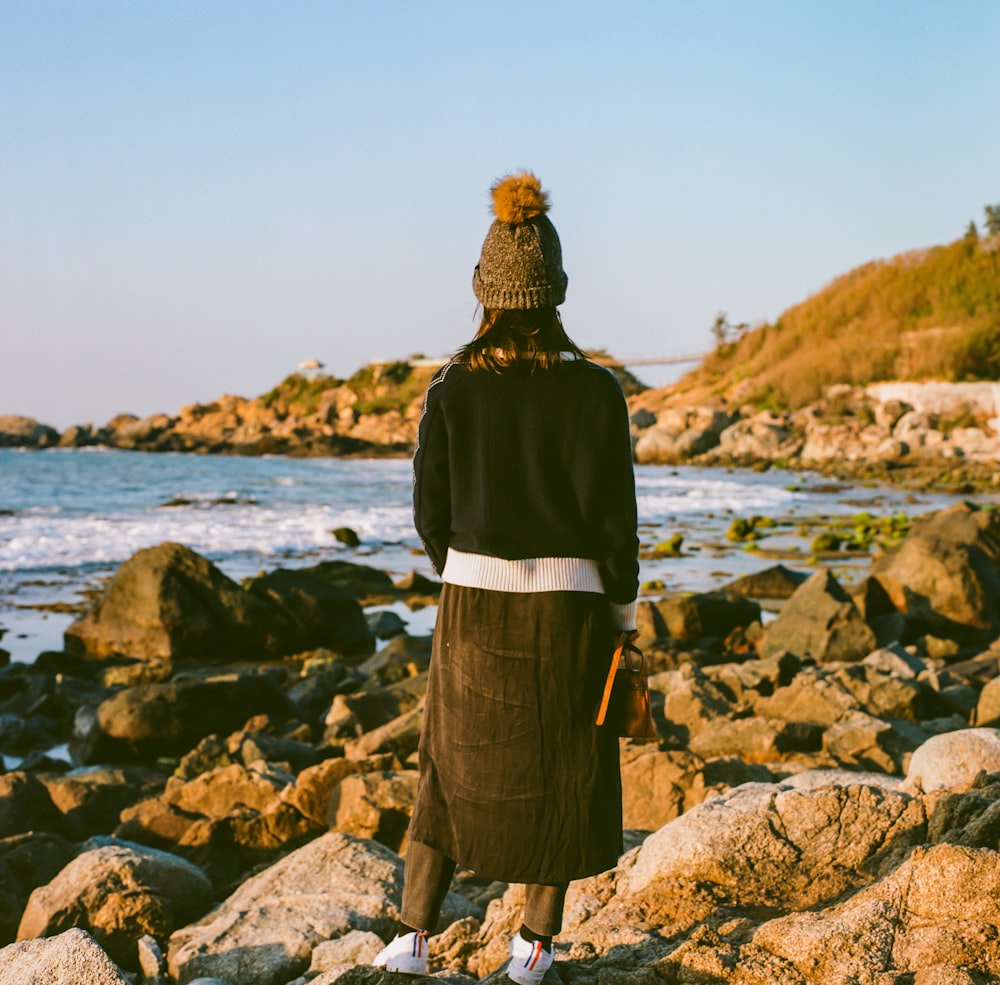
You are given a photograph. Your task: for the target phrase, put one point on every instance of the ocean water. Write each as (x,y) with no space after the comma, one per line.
(69,517)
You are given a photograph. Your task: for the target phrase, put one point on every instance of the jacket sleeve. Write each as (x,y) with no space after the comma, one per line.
(620,565)
(431,477)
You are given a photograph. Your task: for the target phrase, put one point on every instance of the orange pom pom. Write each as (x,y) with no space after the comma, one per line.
(519,197)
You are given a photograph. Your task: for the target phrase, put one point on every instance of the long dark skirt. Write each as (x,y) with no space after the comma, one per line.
(516,780)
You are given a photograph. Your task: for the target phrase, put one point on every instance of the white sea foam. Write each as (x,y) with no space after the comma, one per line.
(35,540)
(661,496)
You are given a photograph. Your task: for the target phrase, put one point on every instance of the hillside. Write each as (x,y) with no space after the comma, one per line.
(927,314)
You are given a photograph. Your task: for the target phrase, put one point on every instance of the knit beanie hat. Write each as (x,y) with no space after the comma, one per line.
(521,262)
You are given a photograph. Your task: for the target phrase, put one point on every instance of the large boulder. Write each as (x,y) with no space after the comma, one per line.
(264,934)
(821,622)
(168,602)
(370,586)
(767,845)
(71,958)
(314,611)
(118,892)
(946,571)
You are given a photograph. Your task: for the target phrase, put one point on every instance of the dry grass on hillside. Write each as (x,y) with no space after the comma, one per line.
(929,314)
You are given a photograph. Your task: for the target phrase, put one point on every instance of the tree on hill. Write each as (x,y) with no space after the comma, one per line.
(992,219)
(724,332)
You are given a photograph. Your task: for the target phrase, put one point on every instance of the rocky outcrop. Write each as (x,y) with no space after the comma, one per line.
(678,435)
(935,917)
(26,432)
(747,843)
(374,412)
(890,425)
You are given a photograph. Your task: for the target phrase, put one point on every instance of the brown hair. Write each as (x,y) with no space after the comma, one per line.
(507,337)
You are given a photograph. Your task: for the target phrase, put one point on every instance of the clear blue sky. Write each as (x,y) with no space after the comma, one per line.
(197,195)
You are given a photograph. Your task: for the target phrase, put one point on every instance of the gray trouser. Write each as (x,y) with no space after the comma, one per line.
(428,876)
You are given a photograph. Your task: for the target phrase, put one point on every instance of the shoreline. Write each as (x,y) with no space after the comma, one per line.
(923,435)
(949,476)
(31,598)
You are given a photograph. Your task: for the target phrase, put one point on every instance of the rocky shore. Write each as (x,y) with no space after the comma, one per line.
(921,433)
(374,412)
(821,807)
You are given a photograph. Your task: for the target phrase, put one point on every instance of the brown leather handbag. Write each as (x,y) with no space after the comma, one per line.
(625,703)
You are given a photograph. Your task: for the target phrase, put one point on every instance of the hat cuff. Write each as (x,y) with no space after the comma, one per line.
(517,298)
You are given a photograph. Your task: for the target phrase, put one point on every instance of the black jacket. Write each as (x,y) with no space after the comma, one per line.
(529,464)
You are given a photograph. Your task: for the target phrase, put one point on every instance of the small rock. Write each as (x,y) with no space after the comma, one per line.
(355,947)
(988,705)
(953,760)
(385,624)
(151,960)
(417,584)
(374,805)
(346,536)
(70,958)
(776,582)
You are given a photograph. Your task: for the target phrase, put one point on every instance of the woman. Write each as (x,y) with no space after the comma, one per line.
(524,498)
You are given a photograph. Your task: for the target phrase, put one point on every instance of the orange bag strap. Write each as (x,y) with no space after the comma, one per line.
(625,640)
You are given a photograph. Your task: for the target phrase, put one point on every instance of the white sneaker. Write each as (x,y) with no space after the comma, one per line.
(406,954)
(528,961)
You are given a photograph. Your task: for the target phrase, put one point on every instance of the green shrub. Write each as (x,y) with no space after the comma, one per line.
(825,542)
